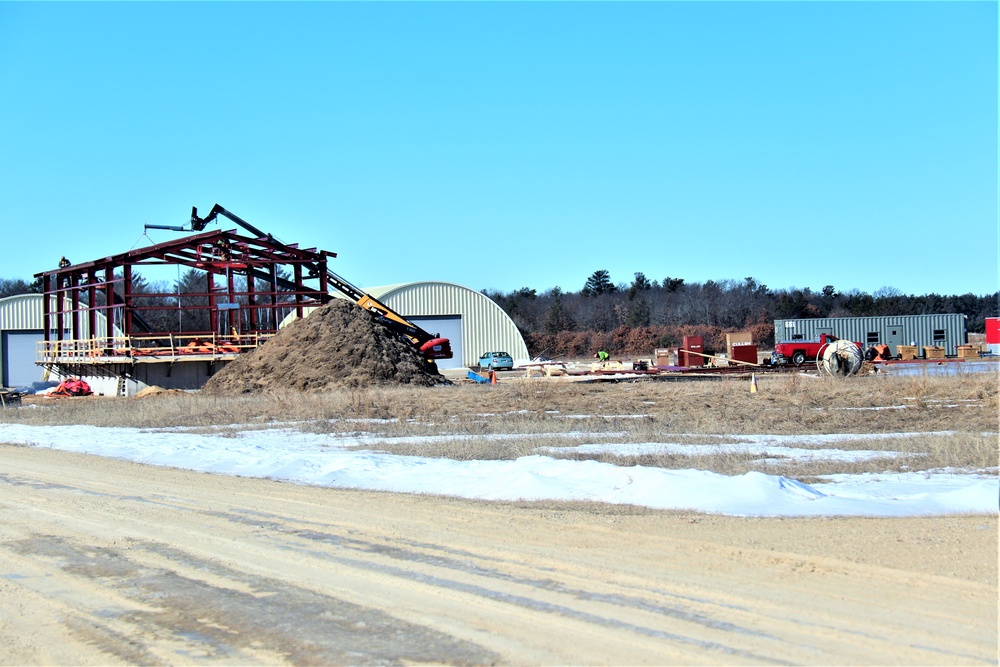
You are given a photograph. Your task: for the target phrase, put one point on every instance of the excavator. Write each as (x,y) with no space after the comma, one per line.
(429,346)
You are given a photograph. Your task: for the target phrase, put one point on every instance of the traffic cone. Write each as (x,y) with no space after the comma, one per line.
(493,376)
(753,383)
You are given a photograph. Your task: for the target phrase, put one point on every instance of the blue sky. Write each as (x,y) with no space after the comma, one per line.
(504,145)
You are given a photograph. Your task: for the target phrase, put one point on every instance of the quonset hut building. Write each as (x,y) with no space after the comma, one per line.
(947,331)
(471,320)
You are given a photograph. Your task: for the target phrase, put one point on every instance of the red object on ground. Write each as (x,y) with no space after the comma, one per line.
(691,344)
(72,387)
(747,353)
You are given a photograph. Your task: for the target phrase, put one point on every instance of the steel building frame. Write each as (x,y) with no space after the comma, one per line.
(241,316)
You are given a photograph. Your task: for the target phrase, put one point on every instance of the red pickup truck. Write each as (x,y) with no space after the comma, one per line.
(800,351)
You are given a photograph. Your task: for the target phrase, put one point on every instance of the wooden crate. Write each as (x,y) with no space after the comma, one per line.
(906,352)
(968,351)
(665,356)
(933,352)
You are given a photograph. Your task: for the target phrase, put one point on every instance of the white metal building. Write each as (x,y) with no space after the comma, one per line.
(21,329)
(473,322)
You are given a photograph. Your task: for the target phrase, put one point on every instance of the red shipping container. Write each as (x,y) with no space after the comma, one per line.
(692,344)
(747,353)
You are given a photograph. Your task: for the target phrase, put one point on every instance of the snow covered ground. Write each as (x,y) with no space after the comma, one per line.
(287,453)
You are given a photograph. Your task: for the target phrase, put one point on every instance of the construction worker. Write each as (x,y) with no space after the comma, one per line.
(222,245)
(63,262)
(602,356)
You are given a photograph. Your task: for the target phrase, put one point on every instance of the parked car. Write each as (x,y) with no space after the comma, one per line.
(497,361)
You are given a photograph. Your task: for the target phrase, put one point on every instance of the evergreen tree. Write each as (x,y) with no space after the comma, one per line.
(191,317)
(557,318)
(598,283)
(640,284)
(638,312)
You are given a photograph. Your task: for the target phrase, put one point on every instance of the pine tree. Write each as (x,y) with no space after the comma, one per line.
(557,319)
(598,283)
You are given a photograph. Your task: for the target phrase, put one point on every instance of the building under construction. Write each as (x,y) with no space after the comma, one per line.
(237,291)
(101,321)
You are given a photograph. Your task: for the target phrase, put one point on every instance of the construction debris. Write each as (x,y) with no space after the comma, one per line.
(71,387)
(338,345)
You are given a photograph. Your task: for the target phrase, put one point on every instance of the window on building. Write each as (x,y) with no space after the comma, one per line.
(938,336)
(872,338)
(796,336)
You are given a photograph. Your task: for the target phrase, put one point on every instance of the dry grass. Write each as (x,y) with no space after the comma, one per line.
(547,414)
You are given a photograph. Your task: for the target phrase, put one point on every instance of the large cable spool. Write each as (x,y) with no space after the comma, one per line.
(841,358)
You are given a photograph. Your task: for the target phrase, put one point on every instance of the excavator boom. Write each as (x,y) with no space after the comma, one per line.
(431,347)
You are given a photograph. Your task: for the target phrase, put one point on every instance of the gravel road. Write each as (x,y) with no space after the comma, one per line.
(109,562)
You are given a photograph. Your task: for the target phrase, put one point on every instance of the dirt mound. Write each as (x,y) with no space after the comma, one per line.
(338,345)
(155,390)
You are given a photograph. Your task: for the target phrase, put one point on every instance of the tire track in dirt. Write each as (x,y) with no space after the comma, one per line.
(164,566)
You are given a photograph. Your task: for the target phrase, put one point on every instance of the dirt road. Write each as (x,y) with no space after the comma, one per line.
(108,562)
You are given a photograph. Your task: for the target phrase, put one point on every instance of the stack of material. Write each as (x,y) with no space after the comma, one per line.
(338,345)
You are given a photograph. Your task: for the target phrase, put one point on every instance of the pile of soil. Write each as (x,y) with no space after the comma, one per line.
(338,345)
(155,390)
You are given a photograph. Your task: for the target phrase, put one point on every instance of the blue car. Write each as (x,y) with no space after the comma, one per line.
(497,361)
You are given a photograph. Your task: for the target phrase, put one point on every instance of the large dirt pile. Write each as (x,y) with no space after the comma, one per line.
(338,345)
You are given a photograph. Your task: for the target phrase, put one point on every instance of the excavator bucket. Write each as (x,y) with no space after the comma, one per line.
(437,348)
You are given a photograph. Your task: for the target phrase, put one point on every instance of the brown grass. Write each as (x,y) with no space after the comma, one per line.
(547,414)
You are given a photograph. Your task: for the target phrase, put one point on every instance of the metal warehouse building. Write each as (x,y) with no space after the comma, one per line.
(947,331)
(470,320)
(22,327)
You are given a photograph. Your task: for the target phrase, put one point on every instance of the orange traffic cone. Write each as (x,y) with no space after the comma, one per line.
(753,383)
(493,376)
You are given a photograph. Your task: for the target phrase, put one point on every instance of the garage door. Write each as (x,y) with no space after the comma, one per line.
(19,349)
(450,327)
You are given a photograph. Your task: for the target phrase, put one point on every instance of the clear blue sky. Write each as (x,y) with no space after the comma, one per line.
(504,145)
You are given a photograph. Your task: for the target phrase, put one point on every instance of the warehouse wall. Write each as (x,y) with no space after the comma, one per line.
(947,331)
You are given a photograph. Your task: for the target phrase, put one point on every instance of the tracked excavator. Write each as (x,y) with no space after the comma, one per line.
(431,347)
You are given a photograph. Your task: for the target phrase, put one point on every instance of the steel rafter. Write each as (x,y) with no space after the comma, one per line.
(77,293)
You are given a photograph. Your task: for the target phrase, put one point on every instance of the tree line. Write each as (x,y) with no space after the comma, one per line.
(635,318)
(622,318)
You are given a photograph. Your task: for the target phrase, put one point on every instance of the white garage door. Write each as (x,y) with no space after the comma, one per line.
(448,326)
(19,367)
